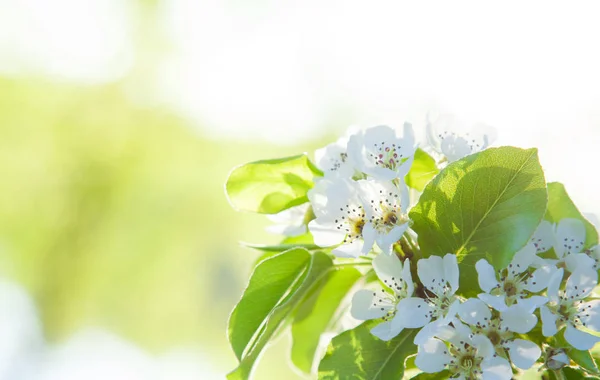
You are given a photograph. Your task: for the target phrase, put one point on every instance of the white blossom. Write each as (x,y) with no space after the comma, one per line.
(570,308)
(514,286)
(463,354)
(450,138)
(382,153)
(374,304)
(386,209)
(523,353)
(439,276)
(290,222)
(333,159)
(340,216)
(568,240)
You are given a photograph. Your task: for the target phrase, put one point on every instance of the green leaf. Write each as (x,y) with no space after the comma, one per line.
(570,373)
(486,205)
(561,206)
(358,354)
(316,313)
(263,291)
(271,186)
(584,359)
(422,170)
(432,376)
(269,285)
(280,247)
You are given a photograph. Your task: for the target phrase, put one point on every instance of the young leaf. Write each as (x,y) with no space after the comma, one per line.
(269,285)
(486,205)
(261,285)
(357,354)
(575,374)
(271,186)
(314,315)
(561,206)
(422,170)
(585,360)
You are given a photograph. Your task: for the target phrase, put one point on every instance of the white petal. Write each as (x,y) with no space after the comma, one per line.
(318,197)
(523,353)
(522,259)
(353,249)
(497,302)
(554,284)
(386,330)
(369,234)
(570,237)
(429,331)
(365,305)
(452,312)
(580,339)
(540,278)
(432,356)
(325,234)
(548,322)
(389,270)
(412,313)
(486,276)
(385,241)
(451,271)
(532,303)
(518,319)
(431,273)
(543,238)
(407,278)
(474,311)
(455,147)
(591,317)
(581,283)
(576,261)
(484,347)
(496,368)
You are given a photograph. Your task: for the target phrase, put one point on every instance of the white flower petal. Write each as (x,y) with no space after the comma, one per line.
(518,319)
(486,275)
(431,273)
(540,278)
(389,270)
(580,339)
(365,305)
(581,283)
(451,271)
(554,284)
(548,322)
(576,261)
(496,368)
(543,238)
(522,259)
(386,330)
(325,234)
(591,318)
(570,237)
(354,249)
(484,347)
(369,235)
(474,311)
(412,313)
(429,331)
(532,303)
(523,353)
(432,356)
(407,278)
(385,241)
(497,302)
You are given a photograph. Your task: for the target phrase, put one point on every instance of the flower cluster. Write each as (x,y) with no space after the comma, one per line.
(359,209)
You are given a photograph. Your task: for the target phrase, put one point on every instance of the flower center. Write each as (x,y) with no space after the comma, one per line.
(465,362)
(352,221)
(386,155)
